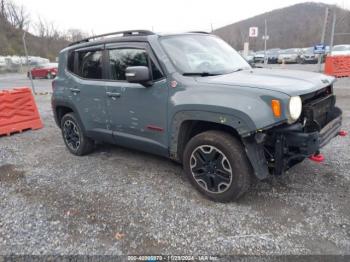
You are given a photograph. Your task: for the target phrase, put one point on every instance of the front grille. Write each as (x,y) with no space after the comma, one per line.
(317,110)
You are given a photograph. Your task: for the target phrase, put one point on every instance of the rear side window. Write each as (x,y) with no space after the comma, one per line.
(120,59)
(70,63)
(90,64)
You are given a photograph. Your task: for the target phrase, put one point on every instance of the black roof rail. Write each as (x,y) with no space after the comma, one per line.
(122,33)
(200,32)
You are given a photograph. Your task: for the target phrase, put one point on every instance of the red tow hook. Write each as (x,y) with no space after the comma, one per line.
(343,133)
(317,158)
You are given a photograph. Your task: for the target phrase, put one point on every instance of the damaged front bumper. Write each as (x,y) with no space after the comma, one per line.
(292,144)
(282,147)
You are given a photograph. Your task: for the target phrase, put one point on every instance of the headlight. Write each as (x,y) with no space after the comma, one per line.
(294,107)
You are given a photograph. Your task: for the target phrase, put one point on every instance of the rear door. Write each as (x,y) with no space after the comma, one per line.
(87,90)
(138,114)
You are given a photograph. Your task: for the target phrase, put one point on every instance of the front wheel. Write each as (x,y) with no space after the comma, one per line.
(217,166)
(73,136)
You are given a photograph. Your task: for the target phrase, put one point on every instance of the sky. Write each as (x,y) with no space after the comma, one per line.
(101,16)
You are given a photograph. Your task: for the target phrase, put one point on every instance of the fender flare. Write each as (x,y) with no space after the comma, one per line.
(241,126)
(57,103)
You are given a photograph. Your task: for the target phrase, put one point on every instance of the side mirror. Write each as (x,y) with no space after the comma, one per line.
(137,74)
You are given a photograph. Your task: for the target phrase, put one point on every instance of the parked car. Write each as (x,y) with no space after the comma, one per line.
(192,98)
(272,56)
(249,57)
(2,62)
(340,50)
(48,71)
(308,57)
(259,57)
(291,55)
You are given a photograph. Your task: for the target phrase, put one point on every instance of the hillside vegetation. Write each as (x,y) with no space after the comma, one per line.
(299,25)
(295,26)
(47,41)
(11,43)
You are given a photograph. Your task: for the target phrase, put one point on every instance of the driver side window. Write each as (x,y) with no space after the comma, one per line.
(120,59)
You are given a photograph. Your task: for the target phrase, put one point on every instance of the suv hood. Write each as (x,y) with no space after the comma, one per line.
(290,82)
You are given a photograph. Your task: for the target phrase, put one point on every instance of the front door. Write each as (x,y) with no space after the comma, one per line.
(138,114)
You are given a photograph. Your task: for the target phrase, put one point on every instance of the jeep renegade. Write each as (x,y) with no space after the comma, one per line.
(192,98)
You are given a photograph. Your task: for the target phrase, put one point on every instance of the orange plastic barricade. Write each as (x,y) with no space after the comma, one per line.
(18,111)
(338,66)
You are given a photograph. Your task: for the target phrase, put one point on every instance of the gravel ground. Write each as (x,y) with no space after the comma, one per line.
(119,201)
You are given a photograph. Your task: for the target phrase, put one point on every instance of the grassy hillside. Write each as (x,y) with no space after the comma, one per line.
(299,25)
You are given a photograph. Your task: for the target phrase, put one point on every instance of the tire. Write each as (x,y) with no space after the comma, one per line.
(216,164)
(74,138)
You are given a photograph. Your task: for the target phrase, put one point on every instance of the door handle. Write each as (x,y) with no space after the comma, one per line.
(112,94)
(74,90)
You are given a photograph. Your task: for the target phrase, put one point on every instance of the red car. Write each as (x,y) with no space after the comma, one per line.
(48,71)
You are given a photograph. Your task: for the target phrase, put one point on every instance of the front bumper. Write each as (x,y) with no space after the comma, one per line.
(292,144)
(310,143)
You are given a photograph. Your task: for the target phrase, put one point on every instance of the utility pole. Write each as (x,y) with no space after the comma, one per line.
(323,37)
(265,40)
(333,29)
(27,58)
(211,26)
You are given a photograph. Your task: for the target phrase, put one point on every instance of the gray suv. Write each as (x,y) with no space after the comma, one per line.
(192,98)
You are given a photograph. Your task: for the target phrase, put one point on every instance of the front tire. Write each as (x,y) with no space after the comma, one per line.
(73,136)
(217,166)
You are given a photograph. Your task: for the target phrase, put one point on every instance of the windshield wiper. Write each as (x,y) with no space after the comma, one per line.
(238,69)
(199,74)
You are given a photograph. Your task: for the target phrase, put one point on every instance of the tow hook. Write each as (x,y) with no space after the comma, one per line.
(317,157)
(343,133)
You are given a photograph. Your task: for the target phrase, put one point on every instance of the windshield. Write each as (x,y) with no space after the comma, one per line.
(208,54)
(289,51)
(341,48)
(309,50)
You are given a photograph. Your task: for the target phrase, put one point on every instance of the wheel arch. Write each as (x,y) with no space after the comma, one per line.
(187,124)
(61,108)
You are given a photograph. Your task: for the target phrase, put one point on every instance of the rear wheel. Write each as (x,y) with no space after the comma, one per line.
(73,136)
(216,165)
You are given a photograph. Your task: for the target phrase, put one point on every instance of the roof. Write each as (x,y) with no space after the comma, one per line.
(124,36)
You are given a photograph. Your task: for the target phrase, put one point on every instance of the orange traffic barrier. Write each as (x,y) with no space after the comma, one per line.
(338,66)
(18,111)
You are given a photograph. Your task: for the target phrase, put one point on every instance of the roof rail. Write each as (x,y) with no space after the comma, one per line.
(122,33)
(200,32)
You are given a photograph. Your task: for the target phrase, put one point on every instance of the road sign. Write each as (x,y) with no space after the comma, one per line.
(319,49)
(265,37)
(253,31)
